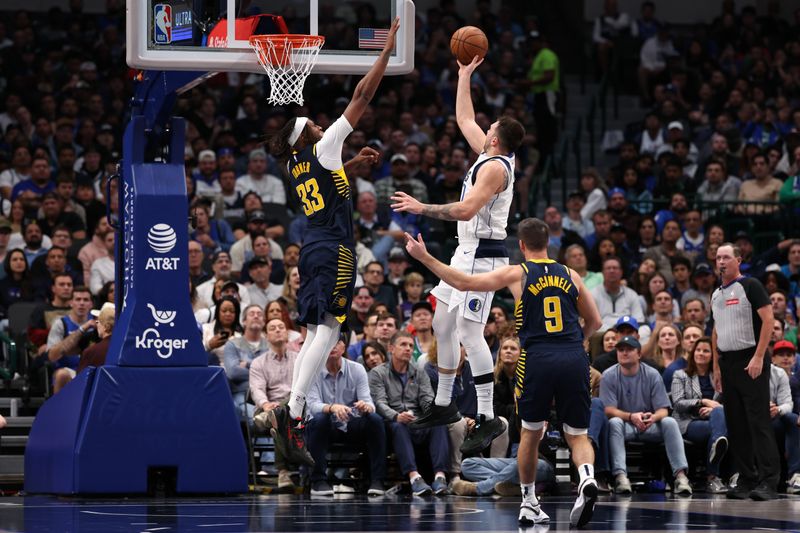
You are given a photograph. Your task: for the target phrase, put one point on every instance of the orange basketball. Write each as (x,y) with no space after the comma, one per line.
(468,42)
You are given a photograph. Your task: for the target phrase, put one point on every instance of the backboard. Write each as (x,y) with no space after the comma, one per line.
(193,34)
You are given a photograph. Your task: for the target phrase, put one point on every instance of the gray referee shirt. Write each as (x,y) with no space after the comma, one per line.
(734,312)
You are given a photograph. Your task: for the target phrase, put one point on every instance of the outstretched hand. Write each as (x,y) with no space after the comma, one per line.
(406,202)
(368,155)
(416,247)
(469,68)
(392,35)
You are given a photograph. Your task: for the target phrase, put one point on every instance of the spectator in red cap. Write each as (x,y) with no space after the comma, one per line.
(784,407)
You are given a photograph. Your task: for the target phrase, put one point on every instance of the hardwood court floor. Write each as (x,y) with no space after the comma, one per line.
(646,512)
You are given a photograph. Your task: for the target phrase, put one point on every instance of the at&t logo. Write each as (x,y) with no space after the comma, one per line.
(162,239)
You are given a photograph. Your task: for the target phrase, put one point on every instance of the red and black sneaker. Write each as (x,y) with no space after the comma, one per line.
(288,435)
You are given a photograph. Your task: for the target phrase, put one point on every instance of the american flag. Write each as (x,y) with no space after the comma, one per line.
(372,38)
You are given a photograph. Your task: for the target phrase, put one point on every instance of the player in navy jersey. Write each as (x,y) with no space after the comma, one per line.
(551,301)
(327,264)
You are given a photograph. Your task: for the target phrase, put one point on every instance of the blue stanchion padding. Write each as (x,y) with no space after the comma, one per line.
(131,420)
(49,453)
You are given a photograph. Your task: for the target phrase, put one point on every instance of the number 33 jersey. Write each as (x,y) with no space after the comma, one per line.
(324,196)
(547,313)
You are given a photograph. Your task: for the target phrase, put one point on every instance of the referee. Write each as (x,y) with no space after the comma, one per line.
(742,318)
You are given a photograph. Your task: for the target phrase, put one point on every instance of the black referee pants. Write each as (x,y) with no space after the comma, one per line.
(750,435)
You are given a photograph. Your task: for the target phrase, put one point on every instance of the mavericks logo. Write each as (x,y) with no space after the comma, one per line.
(474,305)
(162,239)
(152,339)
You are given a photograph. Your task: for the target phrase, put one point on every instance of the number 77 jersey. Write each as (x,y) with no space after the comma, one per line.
(324,195)
(546,314)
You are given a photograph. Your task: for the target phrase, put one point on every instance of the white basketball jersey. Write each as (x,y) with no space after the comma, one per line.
(490,222)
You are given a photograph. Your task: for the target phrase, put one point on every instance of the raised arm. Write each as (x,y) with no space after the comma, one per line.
(365,90)
(465,114)
(508,276)
(491,179)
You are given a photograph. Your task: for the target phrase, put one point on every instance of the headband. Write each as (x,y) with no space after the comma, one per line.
(299,124)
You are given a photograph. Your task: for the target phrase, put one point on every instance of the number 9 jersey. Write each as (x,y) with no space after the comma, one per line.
(547,313)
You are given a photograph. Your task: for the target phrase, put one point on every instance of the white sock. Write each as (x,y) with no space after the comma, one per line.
(586,471)
(444,391)
(297,402)
(440,476)
(311,363)
(529,493)
(485,393)
(415,478)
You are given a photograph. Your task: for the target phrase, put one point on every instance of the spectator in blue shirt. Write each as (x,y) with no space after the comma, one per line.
(342,410)
(31,190)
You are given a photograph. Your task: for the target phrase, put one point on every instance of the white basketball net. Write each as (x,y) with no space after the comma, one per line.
(288,60)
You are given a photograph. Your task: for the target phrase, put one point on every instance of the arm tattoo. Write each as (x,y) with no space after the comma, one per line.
(442,212)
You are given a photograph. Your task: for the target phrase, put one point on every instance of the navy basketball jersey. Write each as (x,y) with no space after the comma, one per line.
(547,313)
(324,196)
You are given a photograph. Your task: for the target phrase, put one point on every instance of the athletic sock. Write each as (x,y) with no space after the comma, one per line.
(297,403)
(586,471)
(444,391)
(529,493)
(415,478)
(485,393)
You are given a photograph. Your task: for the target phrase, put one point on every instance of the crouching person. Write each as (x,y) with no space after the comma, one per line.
(343,411)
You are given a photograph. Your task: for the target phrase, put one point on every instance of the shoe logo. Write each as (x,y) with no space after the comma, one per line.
(162,238)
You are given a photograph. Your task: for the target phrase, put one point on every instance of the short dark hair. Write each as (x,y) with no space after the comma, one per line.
(534,234)
(82,288)
(56,249)
(680,260)
(387,316)
(510,133)
(718,161)
(759,155)
(612,258)
(690,300)
(61,275)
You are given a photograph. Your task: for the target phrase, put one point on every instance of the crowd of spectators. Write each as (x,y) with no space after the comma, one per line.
(720,125)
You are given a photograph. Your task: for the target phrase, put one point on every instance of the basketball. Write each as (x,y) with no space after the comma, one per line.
(468,42)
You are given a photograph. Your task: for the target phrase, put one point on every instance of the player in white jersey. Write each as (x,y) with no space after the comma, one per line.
(482,214)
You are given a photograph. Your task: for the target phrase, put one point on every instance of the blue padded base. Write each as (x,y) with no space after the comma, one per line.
(102,431)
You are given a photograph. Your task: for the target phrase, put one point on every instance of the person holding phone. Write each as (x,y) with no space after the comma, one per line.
(224,326)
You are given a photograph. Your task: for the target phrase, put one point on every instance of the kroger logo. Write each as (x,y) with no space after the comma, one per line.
(151,338)
(162,238)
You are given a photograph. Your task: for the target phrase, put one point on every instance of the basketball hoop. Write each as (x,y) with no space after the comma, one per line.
(288,60)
